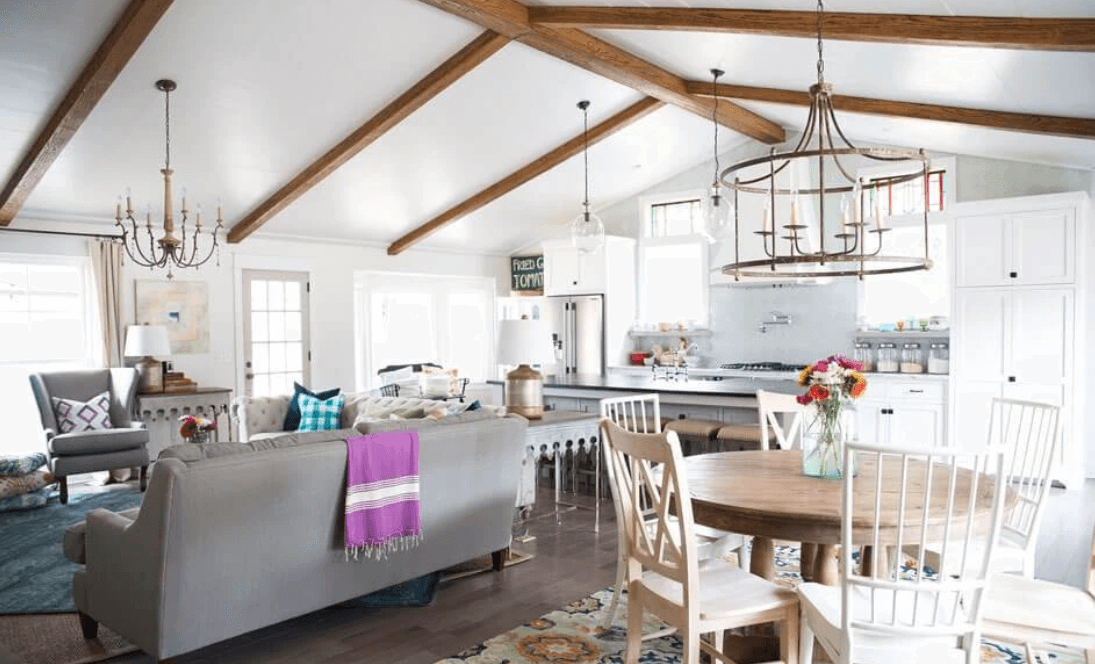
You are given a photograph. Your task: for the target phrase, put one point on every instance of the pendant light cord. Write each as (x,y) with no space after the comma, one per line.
(167,128)
(585,152)
(715,73)
(820,59)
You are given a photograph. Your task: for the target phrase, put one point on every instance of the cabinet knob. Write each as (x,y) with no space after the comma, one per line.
(575,283)
(1013,275)
(1011,379)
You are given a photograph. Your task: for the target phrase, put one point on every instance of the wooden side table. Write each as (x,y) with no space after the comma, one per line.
(160,411)
(552,436)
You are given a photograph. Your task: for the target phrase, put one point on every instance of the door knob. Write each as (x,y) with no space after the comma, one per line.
(249,376)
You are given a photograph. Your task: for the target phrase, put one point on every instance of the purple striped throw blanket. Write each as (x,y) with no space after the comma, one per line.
(382,512)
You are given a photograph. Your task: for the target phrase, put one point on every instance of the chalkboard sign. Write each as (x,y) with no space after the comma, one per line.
(527,274)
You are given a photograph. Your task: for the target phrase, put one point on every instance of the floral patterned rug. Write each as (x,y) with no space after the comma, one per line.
(573,635)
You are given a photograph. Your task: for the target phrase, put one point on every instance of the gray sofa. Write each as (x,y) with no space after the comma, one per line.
(234,537)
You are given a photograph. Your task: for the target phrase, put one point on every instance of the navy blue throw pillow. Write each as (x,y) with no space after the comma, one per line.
(292,417)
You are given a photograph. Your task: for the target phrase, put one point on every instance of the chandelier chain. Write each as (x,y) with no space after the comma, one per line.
(820,58)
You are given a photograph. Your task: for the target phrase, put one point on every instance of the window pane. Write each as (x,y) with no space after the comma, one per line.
(258,296)
(260,387)
(673,282)
(676,218)
(402,327)
(260,329)
(55,278)
(292,326)
(56,302)
(468,334)
(277,326)
(294,357)
(260,358)
(889,298)
(277,357)
(292,296)
(277,296)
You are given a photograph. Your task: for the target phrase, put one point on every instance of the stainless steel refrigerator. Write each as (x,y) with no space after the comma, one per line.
(577,331)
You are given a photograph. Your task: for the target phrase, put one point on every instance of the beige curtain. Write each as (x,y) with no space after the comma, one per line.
(106,266)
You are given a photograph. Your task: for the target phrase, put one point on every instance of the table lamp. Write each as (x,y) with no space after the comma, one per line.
(525,342)
(146,341)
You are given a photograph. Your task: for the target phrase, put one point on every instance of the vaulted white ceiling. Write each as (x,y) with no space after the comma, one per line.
(267,86)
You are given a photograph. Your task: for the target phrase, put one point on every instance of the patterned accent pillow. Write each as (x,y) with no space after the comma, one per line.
(25,501)
(75,415)
(292,416)
(317,415)
(14,486)
(17,466)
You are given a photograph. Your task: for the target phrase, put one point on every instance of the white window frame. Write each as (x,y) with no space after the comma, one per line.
(647,202)
(366,283)
(92,332)
(647,240)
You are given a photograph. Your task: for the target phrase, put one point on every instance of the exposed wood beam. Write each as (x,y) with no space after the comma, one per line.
(468,58)
(572,147)
(1031,123)
(581,49)
(1042,34)
(123,40)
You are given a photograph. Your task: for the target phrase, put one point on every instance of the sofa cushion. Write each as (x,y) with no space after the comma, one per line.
(74,536)
(15,466)
(320,414)
(26,501)
(13,486)
(91,415)
(188,453)
(98,442)
(292,416)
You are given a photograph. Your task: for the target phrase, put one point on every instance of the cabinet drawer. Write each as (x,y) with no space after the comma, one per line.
(919,391)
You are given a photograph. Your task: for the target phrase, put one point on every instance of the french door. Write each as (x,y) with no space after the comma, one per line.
(276,342)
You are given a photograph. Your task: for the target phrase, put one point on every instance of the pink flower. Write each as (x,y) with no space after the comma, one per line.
(803,399)
(822,366)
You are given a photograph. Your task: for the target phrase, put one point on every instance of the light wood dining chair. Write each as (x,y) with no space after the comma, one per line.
(1043,613)
(788,432)
(882,614)
(641,413)
(1028,433)
(664,572)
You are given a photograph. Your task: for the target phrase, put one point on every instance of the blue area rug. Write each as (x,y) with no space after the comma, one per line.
(35,576)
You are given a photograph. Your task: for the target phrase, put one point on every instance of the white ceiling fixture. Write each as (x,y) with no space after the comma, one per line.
(587,231)
(857,246)
(183,251)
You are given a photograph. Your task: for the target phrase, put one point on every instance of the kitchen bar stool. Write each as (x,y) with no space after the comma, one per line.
(696,436)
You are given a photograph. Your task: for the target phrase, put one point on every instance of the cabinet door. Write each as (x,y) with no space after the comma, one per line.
(872,423)
(562,269)
(1043,247)
(980,337)
(982,251)
(972,412)
(916,424)
(1042,322)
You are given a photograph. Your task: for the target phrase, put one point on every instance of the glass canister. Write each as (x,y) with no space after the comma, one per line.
(939,358)
(863,355)
(912,358)
(887,358)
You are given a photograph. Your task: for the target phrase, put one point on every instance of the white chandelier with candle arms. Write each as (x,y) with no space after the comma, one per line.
(854,247)
(169,251)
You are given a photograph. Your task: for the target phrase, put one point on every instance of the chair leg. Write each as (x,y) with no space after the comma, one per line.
(498,559)
(88,625)
(690,651)
(62,484)
(634,628)
(805,641)
(789,639)
(144,477)
(621,574)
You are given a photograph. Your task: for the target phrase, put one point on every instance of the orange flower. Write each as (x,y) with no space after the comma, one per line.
(804,375)
(818,393)
(859,388)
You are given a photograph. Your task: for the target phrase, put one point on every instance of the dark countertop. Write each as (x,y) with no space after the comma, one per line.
(727,387)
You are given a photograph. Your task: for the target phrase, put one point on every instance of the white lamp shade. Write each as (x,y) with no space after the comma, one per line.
(142,340)
(524,342)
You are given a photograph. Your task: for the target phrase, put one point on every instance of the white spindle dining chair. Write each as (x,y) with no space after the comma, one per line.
(788,433)
(641,413)
(665,575)
(1028,433)
(938,496)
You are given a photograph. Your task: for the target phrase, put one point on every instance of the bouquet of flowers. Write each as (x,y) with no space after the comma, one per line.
(196,429)
(831,385)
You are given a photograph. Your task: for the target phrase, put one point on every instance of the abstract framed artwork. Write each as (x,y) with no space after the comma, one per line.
(181,306)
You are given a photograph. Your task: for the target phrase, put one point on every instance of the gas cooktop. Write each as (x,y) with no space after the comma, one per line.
(761,366)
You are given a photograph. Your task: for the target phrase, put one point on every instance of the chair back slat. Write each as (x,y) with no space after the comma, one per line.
(661,537)
(639,413)
(788,432)
(1029,433)
(933,498)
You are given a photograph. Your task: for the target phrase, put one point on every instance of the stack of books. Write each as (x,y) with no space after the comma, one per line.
(175,381)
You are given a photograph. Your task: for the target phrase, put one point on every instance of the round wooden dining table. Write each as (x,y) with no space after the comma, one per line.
(765,494)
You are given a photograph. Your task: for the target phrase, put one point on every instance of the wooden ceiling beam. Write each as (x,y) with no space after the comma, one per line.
(612,62)
(1031,123)
(465,60)
(1014,32)
(123,40)
(572,147)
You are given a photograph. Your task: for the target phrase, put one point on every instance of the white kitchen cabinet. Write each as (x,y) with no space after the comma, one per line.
(1018,247)
(568,271)
(903,411)
(1018,312)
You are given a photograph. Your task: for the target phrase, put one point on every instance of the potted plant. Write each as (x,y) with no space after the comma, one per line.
(196,429)
(833,384)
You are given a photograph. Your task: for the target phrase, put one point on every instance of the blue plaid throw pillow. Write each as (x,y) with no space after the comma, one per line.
(320,415)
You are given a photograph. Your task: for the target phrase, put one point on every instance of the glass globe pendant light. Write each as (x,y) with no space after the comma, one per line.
(587,232)
(716,208)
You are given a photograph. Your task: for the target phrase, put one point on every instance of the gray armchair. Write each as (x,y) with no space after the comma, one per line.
(123,446)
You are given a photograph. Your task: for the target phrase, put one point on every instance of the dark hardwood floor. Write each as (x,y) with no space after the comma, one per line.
(570,562)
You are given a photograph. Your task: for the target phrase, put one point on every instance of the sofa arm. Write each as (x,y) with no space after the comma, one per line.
(255,415)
